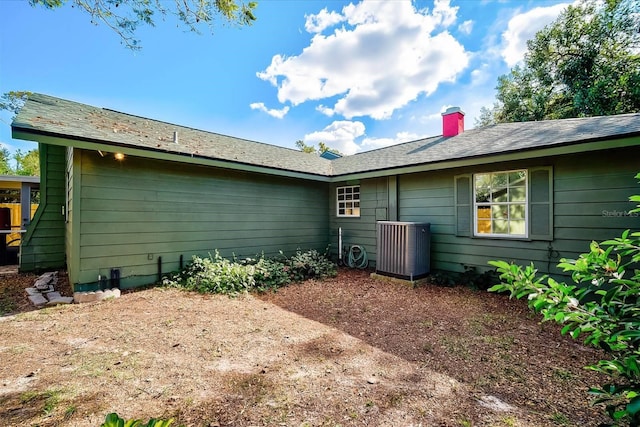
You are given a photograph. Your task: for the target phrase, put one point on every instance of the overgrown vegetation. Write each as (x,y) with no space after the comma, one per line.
(216,274)
(601,307)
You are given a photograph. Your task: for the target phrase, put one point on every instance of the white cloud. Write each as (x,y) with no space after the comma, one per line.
(374,143)
(327,111)
(384,56)
(466,27)
(324,19)
(340,135)
(438,116)
(523,27)
(278,114)
(481,75)
(444,12)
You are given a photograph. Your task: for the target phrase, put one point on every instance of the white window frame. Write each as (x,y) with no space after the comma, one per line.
(351,205)
(476,205)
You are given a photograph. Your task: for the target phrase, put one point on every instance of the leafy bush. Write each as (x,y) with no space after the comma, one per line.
(470,278)
(310,264)
(214,275)
(601,307)
(271,274)
(219,275)
(442,278)
(113,420)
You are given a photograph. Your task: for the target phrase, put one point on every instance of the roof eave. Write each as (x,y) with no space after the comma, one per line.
(595,144)
(30,134)
(20,178)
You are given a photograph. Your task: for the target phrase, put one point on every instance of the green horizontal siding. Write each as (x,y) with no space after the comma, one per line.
(128,214)
(592,199)
(591,194)
(361,230)
(43,245)
(136,211)
(431,199)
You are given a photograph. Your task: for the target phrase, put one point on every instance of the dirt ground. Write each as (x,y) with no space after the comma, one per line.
(349,351)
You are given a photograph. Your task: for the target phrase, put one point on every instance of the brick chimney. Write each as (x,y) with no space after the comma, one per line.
(452,122)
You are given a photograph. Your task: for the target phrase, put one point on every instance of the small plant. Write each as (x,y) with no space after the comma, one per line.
(28,396)
(113,420)
(50,399)
(68,413)
(560,418)
(7,305)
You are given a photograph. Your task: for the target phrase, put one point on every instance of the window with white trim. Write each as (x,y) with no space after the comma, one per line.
(500,204)
(348,201)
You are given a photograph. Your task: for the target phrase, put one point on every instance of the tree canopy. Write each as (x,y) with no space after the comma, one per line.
(125,16)
(585,63)
(26,164)
(5,158)
(13,100)
(322,147)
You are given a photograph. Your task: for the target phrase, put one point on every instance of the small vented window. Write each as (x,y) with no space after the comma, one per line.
(348,201)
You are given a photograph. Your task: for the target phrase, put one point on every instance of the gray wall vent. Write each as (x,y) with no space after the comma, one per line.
(403,249)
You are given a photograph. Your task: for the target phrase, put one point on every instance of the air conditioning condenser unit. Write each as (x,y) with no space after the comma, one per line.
(403,249)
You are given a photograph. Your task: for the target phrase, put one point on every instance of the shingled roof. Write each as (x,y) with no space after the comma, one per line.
(46,115)
(492,140)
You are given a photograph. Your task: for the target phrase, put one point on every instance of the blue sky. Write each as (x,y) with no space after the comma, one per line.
(354,75)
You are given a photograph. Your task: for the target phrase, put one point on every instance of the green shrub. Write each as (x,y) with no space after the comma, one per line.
(214,275)
(219,275)
(311,264)
(113,420)
(470,278)
(271,274)
(441,278)
(601,308)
